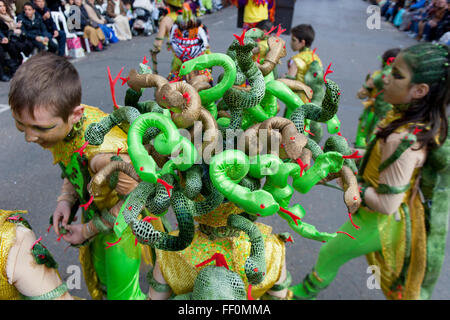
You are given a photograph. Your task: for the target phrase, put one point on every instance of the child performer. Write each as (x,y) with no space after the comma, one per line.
(402,221)
(45,100)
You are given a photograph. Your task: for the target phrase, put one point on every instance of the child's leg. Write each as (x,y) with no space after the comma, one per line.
(118,266)
(336,252)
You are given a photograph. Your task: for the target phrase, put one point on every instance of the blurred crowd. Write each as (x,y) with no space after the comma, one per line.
(424,20)
(74,28)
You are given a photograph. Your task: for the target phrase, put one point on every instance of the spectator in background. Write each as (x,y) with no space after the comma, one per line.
(13,40)
(58,35)
(436,14)
(90,29)
(35,30)
(116,10)
(95,16)
(255,11)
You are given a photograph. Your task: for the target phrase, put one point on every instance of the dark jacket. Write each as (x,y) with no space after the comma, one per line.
(49,23)
(34,28)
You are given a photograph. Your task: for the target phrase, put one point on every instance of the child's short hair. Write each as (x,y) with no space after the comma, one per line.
(304,32)
(29,4)
(45,80)
(265,25)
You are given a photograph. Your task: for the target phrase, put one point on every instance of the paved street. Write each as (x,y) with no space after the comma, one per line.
(29,180)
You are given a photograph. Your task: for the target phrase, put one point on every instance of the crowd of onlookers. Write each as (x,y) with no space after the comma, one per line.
(71,28)
(424,20)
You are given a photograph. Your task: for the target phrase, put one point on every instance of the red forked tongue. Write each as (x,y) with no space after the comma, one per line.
(355,155)
(293,216)
(327,72)
(218,257)
(302,166)
(148,219)
(81,150)
(280,31)
(87,204)
(270,31)
(166,185)
(112,84)
(241,37)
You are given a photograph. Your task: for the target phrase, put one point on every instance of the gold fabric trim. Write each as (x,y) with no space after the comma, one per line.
(7,240)
(179,271)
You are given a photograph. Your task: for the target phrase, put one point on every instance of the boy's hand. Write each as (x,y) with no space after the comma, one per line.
(61,215)
(74,234)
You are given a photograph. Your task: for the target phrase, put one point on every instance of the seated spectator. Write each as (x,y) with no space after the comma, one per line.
(116,10)
(14,41)
(428,26)
(90,29)
(95,16)
(143,23)
(58,35)
(34,29)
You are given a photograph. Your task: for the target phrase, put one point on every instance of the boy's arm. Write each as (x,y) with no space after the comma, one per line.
(292,70)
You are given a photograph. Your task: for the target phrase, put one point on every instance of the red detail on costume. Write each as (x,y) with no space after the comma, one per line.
(262,206)
(130,207)
(302,166)
(315,74)
(353,156)
(351,220)
(164,97)
(270,31)
(49,227)
(148,219)
(312,54)
(259,215)
(355,198)
(293,216)
(118,150)
(59,238)
(241,37)
(416,131)
(218,258)
(307,131)
(340,135)
(249,293)
(135,242)
(166,185)
(390,60)
(280,31)
(36,242)
(112,244)
(124,80)
(339,93)
(327,72)
(41,256)
(345,233)
(380,92)
(141,168)
(87,204)
(145,61)
(187,97)
(255,270)
(289,239)
(112,84)
(14,218)
(81,150)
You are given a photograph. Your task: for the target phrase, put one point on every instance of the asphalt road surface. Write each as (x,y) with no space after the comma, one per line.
(29,181)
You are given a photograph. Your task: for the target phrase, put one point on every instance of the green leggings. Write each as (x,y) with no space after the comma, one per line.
(117,267)
(337,251)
